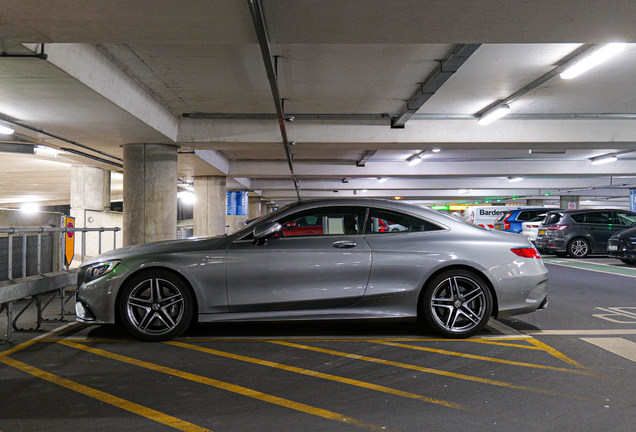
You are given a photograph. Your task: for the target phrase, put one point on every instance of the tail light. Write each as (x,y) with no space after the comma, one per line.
(532,226)
(557,227)
(526,252)
(507,224)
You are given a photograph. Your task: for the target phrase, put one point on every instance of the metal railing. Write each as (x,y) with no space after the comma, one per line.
(42,283)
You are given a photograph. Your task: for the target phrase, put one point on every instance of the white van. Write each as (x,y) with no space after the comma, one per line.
(485,216)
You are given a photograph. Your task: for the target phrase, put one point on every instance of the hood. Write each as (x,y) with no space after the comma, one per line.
(630,232)
(158,247)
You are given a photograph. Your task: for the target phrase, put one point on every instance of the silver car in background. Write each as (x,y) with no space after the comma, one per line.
(319,260)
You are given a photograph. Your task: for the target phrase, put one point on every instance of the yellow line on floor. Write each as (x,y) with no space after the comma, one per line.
(426,370)
(105,397)
(308,409)
(321,375)
(553,352)
(490,342)
(478,357)
(17,348)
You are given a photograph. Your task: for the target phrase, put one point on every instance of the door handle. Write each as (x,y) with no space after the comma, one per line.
(344,244)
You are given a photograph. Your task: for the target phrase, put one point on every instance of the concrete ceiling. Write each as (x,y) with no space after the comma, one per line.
(129,71)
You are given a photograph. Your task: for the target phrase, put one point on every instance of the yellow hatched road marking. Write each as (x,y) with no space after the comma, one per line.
(427,370)
(556,353)
(105,397)
(17,348)
(321,375)
(308,409)
(492,342)
(478,357)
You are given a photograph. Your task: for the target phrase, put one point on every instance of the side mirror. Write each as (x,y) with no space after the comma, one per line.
(266,230)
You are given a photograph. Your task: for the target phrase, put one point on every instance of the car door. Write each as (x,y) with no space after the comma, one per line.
(326,268)
(599,223)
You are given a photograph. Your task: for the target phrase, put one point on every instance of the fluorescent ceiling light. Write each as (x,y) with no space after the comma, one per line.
(363,190)
(436,150)
(603,159)
(46,151)
(597,57)
(493,114)
(29,208)
(415,159)
(6,130)
(463,191)
(186,197)
(514,179)
(382,179)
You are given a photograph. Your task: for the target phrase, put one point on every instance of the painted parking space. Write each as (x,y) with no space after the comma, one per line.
(600,265)
(315,383)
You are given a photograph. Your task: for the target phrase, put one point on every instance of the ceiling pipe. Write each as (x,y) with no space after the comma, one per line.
(256,10)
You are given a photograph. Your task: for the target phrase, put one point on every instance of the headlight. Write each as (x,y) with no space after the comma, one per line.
(100,269)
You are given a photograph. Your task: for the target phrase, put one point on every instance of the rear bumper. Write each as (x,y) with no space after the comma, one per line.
(551,244)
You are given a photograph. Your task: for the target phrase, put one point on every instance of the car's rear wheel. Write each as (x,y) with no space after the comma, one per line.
(156,306)
(457,304)
(579,248)
(623,260)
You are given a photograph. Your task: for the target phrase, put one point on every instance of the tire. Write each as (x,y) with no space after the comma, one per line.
(156,306)
(623,260)
(578,248)
(451,314)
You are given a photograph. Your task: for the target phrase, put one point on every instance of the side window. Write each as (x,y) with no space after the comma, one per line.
(324,221)
(386,221)
(599,217)
(579,217)
(626,218)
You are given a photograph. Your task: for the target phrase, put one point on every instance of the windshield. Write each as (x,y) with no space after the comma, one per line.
(552,218)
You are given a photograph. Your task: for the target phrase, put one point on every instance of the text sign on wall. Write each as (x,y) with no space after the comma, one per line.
(632,200)
(236,203)
(69,241)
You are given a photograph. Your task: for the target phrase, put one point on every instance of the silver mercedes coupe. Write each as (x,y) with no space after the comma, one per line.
(319,260)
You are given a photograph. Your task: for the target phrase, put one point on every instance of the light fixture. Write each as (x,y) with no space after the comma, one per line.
(382,179)
(29,208)
(363,190)
(463,191)
(186,197)
(414,160)
(6,130)
(514,179)
(493,114)
(436,150)
(594,59)
(46,151)
(603,159)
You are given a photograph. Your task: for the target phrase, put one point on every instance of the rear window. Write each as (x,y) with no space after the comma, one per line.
(530,214)
(538,218)
(579,217)
(552,218)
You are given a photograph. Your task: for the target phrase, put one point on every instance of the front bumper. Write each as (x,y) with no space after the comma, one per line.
(96,301)
(621,249)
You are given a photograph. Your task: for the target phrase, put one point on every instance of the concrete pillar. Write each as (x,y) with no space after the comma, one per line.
(254,208)
(534,202)
(269,208)
(569,202)
(150,193)
(209,206)
(90,206)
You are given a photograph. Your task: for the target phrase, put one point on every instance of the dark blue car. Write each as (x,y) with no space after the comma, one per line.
(511,220)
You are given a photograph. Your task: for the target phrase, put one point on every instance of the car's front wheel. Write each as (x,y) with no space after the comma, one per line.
(457,304)
(156,306)
(579,248)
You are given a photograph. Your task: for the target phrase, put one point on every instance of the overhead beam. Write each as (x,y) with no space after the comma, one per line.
(576,168)
(365,158)
(454,59)
(256,10)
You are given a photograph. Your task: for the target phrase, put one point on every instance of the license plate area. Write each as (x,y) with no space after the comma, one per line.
(612,247)
(542,231)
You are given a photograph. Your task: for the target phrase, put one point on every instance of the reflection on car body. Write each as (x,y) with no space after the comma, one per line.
(319,260)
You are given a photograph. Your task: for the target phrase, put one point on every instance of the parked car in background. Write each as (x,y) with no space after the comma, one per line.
(530,228)
(512,220)
(484,216)
(622,246)
(440,270)
(578,233)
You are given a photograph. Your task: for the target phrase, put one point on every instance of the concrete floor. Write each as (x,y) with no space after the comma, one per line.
(570,367)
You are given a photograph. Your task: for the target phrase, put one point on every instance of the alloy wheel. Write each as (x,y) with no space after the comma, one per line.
(458,304)
(155,307)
